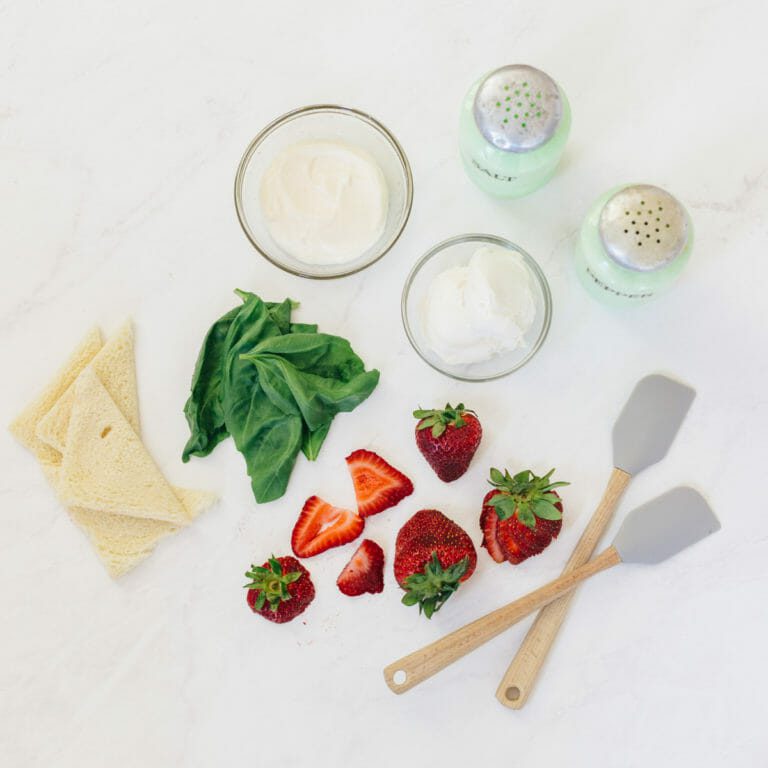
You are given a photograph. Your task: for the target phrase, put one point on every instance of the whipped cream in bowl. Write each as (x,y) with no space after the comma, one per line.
(476,307)
(323,191)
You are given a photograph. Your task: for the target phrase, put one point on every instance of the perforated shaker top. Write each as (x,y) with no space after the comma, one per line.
(643,227)
(518,108)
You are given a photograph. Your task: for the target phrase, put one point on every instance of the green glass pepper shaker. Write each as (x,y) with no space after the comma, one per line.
(633,244)
(513,128)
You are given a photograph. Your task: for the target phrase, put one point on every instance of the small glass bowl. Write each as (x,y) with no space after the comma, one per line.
(456,252)
(330,123)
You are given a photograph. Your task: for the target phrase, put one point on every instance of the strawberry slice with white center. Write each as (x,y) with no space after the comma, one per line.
(378,485)
(321,526)
(364,572)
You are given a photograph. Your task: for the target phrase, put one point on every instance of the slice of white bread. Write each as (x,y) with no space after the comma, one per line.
(25,424)
(114,365)
(122,542)
(106,466)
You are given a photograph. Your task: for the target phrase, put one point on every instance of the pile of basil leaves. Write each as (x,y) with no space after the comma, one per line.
(272,385)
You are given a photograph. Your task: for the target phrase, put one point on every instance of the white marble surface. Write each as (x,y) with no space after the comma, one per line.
(121,126)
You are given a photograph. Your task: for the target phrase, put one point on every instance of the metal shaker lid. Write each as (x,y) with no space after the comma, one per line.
(643,227)
(518,108)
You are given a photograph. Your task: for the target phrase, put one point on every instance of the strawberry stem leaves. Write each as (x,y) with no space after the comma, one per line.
(526,495)
(271,584)
(439,420)
(431,588)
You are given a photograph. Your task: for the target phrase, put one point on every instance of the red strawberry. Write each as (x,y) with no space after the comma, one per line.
(448,439)
(521,515)
(378,485)
(280,589)
(364,572)
(433,555)
(489,522)
(321,526)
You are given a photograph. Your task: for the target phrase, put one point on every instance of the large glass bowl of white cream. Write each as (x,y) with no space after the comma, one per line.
(476,307)
(323,191)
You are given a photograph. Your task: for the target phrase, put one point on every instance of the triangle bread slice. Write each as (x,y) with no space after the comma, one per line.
(24,425)
(114,365)
(120,541)
(123,542)
(106,466)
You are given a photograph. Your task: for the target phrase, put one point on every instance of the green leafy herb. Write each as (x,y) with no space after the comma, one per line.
(274,386)
(203,410)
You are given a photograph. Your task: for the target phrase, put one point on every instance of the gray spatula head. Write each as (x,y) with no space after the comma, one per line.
(649,422)
(664,526)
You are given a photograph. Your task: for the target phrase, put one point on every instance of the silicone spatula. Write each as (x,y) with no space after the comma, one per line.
(642,435)
(651,533)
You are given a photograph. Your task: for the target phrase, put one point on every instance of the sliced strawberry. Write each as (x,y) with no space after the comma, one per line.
(321,526)
(518,542)
(364,572)
(378,485)
(508,539)
(489,522)
(521,515)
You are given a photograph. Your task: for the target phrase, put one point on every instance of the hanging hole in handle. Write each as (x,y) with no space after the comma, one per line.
(399,677)
(512,693)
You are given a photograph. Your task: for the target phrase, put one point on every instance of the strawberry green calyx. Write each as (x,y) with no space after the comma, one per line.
(271,584)
(440,419)
(430,589)
(526,495)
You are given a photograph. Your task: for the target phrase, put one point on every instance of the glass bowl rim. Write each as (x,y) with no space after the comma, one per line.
(494,240)
(288,117)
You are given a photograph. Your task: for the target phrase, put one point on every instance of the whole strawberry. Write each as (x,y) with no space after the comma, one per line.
(448,439)
(433,555)
(521,515)
(280,589)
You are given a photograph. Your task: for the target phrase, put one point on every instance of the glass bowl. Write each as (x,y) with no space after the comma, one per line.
(330,123)
(456,252)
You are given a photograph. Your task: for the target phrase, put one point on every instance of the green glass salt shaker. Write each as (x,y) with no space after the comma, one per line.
(633,244)
(513,128)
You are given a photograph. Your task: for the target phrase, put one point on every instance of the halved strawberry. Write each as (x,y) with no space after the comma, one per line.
(364,572)
(489,522)
(378,485)
(321,526)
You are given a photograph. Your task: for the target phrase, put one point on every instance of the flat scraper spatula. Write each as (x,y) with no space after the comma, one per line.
(649,534)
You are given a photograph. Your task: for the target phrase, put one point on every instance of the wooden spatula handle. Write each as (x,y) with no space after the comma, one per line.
(419,665)
(518,681)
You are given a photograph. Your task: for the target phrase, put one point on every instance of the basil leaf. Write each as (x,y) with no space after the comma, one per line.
(313,441)
(267,438)
(274,386)
(281,314)
(203,409)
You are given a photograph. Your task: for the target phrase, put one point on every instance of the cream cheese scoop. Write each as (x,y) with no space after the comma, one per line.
(474,312)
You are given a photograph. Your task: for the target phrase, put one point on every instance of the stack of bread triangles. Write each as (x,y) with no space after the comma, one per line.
(84,430)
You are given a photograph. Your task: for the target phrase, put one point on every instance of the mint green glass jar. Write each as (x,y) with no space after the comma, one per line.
(513,128)
(633,244)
